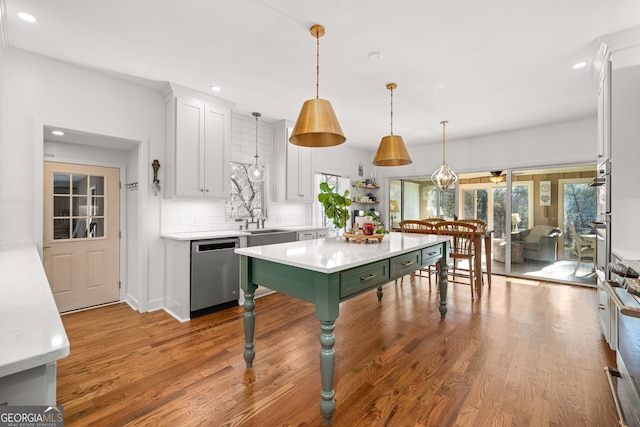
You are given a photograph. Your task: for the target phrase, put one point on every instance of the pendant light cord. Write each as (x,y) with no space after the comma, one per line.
(444,123)
(391,89)
(256,115)
(317,64)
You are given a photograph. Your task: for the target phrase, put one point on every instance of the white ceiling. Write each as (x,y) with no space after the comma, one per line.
(486,66)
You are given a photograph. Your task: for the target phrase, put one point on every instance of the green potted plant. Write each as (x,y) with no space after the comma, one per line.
(336,205)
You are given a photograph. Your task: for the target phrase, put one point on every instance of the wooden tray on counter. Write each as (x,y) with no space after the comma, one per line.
(360,237)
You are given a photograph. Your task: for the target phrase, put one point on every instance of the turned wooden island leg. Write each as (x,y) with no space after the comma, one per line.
(249,328)
(443,283)
(327,365)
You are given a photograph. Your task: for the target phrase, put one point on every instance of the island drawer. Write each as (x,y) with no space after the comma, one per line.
(431,255)
(362,278)
(405,264)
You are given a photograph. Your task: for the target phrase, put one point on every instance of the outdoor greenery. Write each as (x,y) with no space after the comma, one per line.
(336,205)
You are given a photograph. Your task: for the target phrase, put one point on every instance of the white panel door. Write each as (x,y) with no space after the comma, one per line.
(81,240)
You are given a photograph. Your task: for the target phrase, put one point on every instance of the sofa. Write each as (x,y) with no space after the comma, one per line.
(539,243)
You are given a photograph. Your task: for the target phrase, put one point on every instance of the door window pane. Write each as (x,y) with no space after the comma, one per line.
(499,212)
(80,206)
(97,206)
(97,185)
(61,206)
(96,228)
(61,229)
(79,228)
(79,209)
(80,184)
(61,183)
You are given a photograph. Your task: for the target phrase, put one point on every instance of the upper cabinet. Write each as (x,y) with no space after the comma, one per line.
(293,167)
(604,112)
(198,144)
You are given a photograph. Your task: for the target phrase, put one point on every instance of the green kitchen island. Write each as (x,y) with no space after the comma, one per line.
(328,271)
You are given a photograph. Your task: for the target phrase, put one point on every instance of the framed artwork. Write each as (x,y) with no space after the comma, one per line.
(545,193)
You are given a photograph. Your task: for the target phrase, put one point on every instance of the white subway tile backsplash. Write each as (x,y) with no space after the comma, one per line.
(184,215)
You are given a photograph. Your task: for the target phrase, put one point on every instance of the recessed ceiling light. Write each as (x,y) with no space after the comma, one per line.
(27,17)
(375,56)
(215,88)
(579,65)
(57,132)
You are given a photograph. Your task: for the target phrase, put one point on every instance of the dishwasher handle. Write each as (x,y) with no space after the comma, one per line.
(216,246)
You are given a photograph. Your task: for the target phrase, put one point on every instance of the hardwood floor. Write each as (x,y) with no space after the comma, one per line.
(528,353)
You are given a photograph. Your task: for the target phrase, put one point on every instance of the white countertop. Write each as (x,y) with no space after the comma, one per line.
(334,254)
(220,234)
(31,331)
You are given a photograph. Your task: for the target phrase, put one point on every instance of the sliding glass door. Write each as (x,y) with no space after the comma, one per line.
(532,235)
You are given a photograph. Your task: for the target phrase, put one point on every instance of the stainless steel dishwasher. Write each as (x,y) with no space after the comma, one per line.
(215,275)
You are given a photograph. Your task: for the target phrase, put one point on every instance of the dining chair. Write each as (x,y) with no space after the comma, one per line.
(462,247)
(481,227)
(432,221)
(584,248)
(422,227)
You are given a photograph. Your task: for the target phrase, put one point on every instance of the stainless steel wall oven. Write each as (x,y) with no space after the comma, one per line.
(602,224)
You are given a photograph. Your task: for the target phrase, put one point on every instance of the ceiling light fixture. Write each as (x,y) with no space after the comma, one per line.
(57,132)
(215,88)
(578,65)
(27,17)
(444,177)
(496,177)
(256,171)
(391,151)
(317,124)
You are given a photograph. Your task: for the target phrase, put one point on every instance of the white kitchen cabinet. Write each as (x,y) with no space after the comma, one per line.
(177,276)
(293,167)
(313,234)
(606,315)
(198,144)
(604,113)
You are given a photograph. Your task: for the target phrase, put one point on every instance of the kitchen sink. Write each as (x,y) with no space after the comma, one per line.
(268,237)
(265,231)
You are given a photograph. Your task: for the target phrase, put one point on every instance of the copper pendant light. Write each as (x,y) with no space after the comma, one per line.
(444,177)
(391,151)
(317,124)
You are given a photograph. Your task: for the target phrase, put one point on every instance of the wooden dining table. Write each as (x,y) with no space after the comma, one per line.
(478,238)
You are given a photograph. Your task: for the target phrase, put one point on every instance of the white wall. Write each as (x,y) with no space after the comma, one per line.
(556,144)
(567,143)
(35,90)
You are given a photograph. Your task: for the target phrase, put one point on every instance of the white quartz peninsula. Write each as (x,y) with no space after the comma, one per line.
(328,271)
(33,336)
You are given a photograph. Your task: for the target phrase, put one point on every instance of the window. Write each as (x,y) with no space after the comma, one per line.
(247,197)
(578,204)
(340,184)
(486,202)
(78,206)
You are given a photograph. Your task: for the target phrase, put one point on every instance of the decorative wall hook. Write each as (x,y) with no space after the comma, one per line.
(156,182)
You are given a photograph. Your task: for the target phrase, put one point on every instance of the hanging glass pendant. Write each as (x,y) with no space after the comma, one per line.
(256,171)
(444,177)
